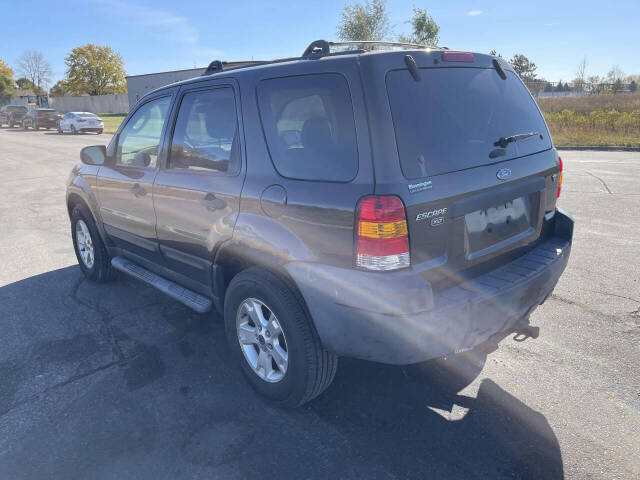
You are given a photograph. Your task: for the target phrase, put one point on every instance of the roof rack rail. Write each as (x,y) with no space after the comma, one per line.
(214,67)
(322,48)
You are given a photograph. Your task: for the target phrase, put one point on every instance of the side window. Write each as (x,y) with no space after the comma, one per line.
(206,132)
(140,138)
(309,127)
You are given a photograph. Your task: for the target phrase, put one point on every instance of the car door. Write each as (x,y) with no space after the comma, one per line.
(64,121)
(125,184)
(197,192)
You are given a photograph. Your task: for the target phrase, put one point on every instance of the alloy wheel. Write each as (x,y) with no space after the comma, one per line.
(85,243)
(262,340)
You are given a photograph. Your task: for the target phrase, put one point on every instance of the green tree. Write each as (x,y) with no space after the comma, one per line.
(364,21)
(7,88)
(25,84)
(59,89)
(95,70)
(425,29)
(524,67)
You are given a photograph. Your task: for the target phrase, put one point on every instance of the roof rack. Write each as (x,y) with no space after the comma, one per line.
(318,49)
(322,48)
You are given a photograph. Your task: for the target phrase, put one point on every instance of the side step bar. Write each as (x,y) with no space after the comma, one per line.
(190,298)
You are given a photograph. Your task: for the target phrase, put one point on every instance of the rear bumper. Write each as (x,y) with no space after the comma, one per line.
(396,318)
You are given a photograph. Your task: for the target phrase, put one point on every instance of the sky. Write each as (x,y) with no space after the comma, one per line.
(161,35)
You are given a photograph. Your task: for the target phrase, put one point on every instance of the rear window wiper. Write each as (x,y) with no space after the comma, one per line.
(504,141)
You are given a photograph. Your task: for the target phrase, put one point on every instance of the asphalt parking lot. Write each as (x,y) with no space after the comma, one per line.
(118,381)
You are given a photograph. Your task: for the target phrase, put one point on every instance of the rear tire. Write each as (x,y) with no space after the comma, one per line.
(25,126)
(73,130)
(99,269)
(99,132)
(310,368)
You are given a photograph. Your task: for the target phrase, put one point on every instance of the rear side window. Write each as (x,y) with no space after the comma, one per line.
(451,119)
(206,132)
(309,127)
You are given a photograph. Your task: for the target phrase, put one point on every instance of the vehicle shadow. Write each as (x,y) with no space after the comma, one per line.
(116,380)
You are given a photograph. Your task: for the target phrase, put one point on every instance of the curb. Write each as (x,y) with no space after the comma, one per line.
(601,148)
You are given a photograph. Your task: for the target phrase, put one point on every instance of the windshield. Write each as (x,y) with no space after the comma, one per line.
(451,119)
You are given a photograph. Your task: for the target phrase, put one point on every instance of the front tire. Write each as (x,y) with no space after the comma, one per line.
(272,336)
(91,253)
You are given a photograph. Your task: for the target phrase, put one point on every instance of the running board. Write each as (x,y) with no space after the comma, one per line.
(190,298)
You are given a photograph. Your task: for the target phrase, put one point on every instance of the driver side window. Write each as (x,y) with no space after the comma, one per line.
(139,140)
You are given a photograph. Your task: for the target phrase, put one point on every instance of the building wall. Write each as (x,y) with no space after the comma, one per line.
(139,85)
(94,104)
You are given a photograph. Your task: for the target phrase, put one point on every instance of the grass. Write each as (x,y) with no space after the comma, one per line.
(594,120)
(111,121)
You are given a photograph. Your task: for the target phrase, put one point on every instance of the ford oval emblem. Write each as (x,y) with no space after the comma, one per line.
(503,173)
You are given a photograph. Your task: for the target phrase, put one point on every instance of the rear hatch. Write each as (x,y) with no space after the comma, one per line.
(473,192)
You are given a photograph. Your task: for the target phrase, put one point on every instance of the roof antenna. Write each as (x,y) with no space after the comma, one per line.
(413,68)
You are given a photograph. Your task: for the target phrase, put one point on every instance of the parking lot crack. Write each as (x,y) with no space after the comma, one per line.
(601,181)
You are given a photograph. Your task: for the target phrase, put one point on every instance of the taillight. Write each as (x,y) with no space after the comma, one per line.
(560,176)
(382,240)
(457,57)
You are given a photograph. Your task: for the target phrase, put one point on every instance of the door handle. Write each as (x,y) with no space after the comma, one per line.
(213,203)
(138,191)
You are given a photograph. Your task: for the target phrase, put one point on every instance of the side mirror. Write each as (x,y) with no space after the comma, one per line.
(94,155)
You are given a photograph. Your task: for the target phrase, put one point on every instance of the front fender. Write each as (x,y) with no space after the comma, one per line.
(81,187)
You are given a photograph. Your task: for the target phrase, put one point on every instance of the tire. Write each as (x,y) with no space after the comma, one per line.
(24,125)
(100,269)
(310,368)
(99,132)
(59,130)
(36,126)
(73,130)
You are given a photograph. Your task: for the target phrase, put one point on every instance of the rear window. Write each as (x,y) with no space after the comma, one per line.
(48,110)
(309,127)
(86,115)
(450,120)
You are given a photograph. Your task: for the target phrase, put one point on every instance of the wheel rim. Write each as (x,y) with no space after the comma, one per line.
(85,243)
(262,340)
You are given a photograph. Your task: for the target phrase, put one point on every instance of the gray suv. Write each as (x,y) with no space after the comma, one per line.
(393,203)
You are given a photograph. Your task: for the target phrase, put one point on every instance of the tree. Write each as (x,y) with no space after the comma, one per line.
(595,84)
(495,54)
(633,86)
(425,29)
(524,67)
(95,70)
(581,75)
(59,89)
(36,69)
(7,87)
(24,83)
(364,21)
(614,77)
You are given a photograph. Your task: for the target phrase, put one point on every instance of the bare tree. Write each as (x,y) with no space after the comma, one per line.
(34,67)
(614,77)
(581,75)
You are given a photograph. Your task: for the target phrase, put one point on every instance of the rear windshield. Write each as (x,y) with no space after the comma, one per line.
(86,115)
(42,110)
(16,109)
(450,120)
(309,127)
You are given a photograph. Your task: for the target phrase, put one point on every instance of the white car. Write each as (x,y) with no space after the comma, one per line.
(75,122)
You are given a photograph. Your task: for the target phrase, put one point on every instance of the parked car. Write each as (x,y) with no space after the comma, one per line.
(80,122)
(12,115)
(41,118)
(394,206)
